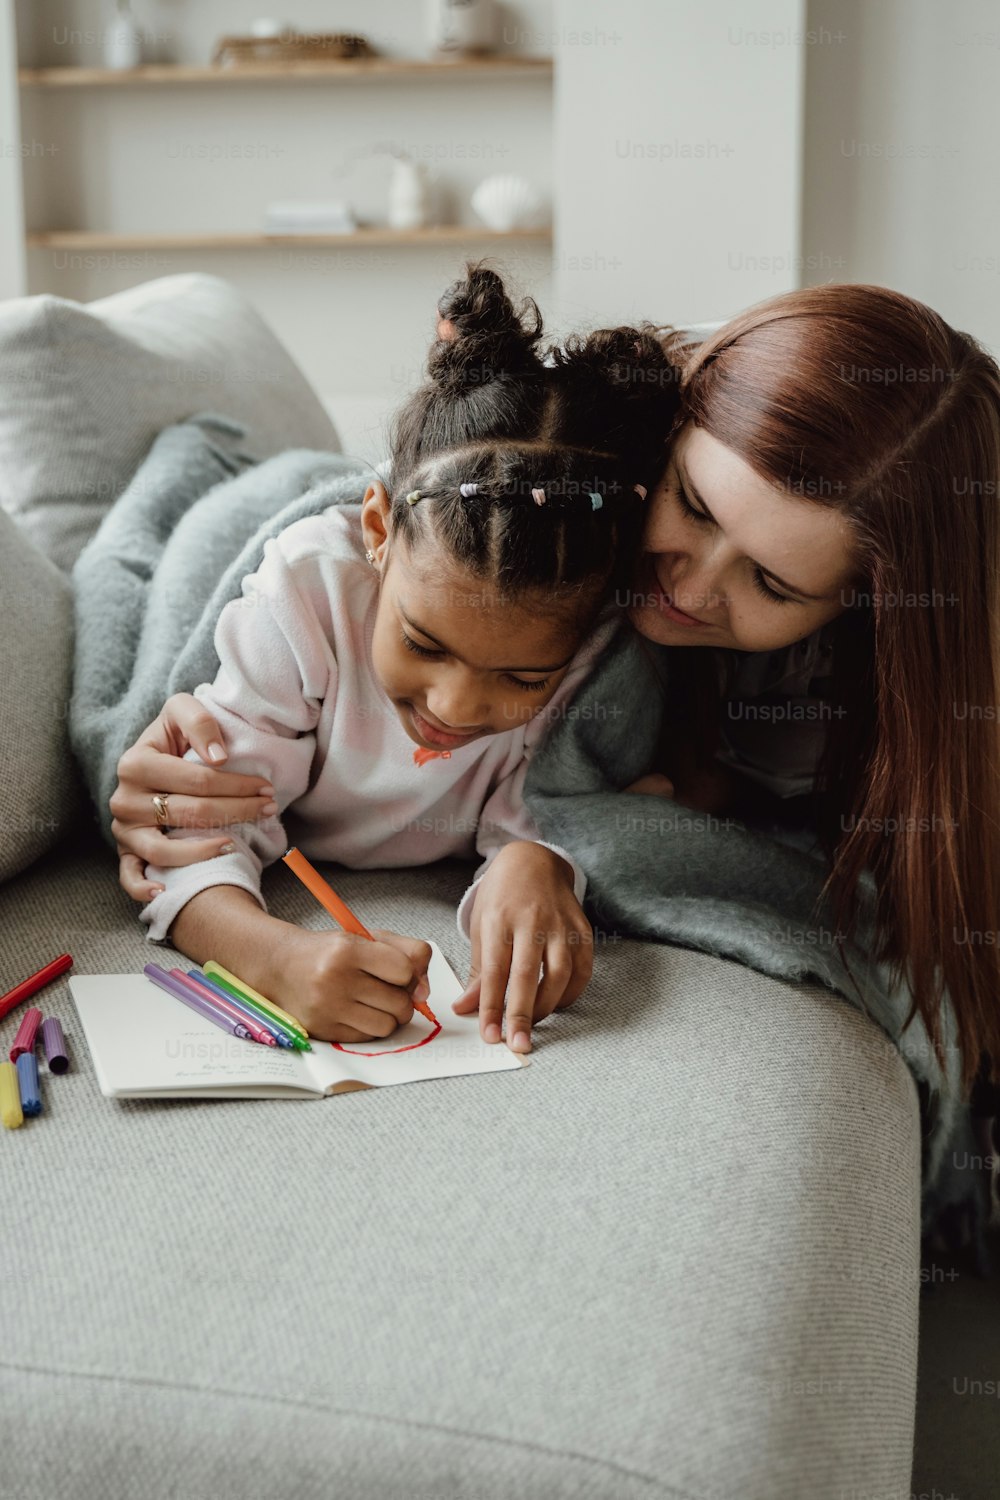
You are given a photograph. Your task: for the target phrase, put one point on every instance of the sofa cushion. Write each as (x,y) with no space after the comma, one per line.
(675,1256)
(41,795)
(84,389)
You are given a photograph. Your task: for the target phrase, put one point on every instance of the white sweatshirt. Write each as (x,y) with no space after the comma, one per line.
(298,703)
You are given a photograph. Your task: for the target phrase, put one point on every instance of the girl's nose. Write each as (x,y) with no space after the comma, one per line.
(457,704)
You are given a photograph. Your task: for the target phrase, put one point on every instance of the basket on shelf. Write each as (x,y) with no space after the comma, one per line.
(289,46)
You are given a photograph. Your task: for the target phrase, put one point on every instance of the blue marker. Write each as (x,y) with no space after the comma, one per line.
(27,1082)
(280,1036)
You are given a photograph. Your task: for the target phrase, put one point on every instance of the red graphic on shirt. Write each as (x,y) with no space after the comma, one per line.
(388,1051)
(422,756)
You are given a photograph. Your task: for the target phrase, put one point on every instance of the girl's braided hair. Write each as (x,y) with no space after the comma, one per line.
(581,425)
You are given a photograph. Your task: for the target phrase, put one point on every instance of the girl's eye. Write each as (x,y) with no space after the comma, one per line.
(412,645)
(529,687)
(769,593)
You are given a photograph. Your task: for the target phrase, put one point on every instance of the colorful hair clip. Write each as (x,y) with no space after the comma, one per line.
(595,500)
(413,497)
(640,490)
(468,490)
(538,496)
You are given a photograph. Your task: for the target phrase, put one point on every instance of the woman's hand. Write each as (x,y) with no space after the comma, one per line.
(525,916)
(200,796)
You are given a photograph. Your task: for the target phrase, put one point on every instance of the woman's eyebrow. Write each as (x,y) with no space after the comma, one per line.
(694,495)
(447,649)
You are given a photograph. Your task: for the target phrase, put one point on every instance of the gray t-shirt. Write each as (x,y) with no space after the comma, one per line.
(777,713)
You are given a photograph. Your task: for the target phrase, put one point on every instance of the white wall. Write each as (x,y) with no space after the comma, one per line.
(902,182)
(677,157)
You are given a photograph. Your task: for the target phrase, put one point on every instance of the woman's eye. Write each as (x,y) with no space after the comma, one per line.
(412,645)
(768,593)
(689,509)
(530,687)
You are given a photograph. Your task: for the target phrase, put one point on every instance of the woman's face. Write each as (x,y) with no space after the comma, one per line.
(731,560)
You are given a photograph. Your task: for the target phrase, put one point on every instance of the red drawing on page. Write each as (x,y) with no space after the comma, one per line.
(388,1051)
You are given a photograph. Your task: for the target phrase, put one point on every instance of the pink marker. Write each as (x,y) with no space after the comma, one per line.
(24,1041)
(259,1033)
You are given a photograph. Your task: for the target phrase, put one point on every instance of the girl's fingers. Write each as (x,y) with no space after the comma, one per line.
(522,989)
(556,981)
(468,1001)
(494,969)
(582,955)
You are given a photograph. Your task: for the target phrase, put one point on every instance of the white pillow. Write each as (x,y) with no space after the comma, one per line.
(85,388)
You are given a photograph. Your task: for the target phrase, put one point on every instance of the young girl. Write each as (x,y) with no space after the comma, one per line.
(392,666)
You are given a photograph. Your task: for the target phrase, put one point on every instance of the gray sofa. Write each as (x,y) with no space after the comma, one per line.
(677,1256)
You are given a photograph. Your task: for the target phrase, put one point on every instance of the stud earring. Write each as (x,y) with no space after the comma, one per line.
(371,558)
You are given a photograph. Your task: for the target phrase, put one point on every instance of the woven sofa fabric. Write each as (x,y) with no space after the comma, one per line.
(85,388)
(41,794)
(676,1256)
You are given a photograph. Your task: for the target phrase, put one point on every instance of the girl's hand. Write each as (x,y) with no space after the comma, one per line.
(200,796)
(344,988)
(525,916)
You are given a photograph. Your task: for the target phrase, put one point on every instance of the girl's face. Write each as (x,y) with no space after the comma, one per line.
(731,560)
(457,662)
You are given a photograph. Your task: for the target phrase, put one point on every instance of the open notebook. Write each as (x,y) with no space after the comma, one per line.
(145,1044)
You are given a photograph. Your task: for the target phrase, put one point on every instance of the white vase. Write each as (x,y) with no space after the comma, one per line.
(459,26)
(407,195)
(122,40)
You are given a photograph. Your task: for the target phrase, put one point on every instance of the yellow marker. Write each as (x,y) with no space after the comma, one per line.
(213,968)
(10,1097)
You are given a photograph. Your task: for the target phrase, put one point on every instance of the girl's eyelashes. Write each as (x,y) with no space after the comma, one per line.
(411,645)
(758,578)
(425,651)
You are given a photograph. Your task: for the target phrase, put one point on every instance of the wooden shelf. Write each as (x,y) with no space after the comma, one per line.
(445,234)
(291,72)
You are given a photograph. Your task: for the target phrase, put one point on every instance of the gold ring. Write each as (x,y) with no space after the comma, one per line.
(160,806)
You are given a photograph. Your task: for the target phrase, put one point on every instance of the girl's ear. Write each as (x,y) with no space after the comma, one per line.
(375,510)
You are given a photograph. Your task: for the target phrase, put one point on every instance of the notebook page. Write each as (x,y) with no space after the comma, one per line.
(145,1042)
(415,1052)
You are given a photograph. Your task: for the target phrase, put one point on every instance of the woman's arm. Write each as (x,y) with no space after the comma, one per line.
(200,796)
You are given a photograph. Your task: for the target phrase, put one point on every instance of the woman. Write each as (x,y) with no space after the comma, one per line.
(830,514)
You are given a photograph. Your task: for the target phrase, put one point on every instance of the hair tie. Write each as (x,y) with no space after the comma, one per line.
(468,490)
(413,497)
(538,496)
(595,500)
(640,490)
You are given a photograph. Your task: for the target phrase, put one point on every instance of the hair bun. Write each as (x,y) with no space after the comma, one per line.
(487,336)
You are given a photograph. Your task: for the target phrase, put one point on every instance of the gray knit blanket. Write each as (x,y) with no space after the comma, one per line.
(174,549)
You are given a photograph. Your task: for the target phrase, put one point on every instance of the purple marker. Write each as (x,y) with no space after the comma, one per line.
(55,1045)
(204,1008)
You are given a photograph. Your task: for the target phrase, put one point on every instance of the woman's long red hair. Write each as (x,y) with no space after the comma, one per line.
(860,398)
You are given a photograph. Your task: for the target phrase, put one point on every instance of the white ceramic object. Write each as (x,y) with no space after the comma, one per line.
(265,28)
(459,26)
(407,194)
(506,202)
(122,40)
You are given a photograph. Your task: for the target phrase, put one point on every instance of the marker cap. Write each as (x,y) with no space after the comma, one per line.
(27,1080)
(24,1039)
(55,1045)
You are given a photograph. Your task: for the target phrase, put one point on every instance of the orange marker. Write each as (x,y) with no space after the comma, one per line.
(339,910)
